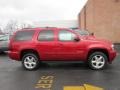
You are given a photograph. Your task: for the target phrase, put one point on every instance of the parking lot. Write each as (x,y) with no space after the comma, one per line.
(59,75)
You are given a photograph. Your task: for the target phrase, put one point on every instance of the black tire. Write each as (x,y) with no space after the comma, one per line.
(33,61)
(97,60)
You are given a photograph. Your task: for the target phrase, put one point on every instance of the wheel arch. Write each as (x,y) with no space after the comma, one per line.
(25,51)
(98,50)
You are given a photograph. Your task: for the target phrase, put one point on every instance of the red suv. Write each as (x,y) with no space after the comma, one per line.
(32,46)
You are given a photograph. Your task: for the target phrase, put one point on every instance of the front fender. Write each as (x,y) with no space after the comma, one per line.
(96,47)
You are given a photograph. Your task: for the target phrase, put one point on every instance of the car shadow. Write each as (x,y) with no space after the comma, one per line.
(63,66)
(3,54)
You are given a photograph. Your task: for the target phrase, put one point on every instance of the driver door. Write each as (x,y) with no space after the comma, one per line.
(68,48)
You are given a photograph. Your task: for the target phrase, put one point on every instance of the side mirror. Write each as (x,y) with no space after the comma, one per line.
(77,39)
(92,34)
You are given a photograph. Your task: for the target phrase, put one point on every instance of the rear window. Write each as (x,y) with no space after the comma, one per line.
(24,35)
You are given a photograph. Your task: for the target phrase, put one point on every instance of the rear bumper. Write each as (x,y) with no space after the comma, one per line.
(14,55)
(112,55)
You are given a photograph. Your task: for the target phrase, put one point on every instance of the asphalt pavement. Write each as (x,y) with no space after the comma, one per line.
(56,76)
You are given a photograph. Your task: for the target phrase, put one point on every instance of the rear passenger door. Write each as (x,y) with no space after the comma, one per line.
(46,45)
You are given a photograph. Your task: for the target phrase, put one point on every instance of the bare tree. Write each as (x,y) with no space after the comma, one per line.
(11,26)
(25,25)
(1,31)
(14,25)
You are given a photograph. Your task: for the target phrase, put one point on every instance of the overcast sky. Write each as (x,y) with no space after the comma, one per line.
(39,10)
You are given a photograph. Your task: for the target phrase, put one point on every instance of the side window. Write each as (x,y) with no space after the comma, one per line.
(24,35)
(46,35)
(65,35)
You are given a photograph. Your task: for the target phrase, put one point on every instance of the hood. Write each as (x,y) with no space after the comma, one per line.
(93,38)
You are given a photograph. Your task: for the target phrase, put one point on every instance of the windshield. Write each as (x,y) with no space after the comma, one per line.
(4,37)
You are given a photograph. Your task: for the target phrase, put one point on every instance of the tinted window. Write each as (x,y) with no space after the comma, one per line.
(46,35)
(24,35)
(65,35)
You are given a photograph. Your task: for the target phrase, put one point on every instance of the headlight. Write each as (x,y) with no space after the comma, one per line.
(112,46)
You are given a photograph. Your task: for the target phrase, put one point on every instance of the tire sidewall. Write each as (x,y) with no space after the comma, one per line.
(94,54)
(36,58)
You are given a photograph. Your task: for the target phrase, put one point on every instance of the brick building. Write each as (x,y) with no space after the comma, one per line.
(103,18)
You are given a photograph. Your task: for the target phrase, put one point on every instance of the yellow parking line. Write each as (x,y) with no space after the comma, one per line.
(74,88)
(90,87)
(84,87)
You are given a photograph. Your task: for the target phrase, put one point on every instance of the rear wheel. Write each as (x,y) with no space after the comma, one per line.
(30,61)
(97,60)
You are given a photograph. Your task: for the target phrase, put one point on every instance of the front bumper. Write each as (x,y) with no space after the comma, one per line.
(112,55)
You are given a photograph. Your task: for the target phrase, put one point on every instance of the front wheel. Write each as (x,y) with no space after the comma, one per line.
(30,61)
(97,60)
